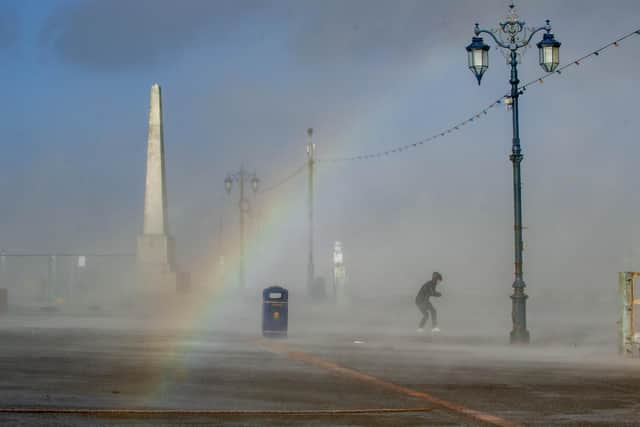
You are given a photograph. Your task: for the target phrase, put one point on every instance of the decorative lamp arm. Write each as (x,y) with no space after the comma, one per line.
(477,31)
(546,28)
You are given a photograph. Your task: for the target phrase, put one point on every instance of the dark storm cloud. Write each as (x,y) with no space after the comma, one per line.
(401,30)
(8,26)
(118,34)
(335,30)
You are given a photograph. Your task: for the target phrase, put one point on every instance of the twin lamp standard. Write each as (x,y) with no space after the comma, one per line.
(511,36)
(241,177)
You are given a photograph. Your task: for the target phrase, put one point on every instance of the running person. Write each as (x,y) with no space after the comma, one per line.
(427,291)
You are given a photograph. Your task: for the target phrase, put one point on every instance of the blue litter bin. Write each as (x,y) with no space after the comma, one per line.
(275,311)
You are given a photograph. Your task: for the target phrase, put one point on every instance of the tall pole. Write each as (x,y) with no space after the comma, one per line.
(51,279)
(3,268)
(310,162)
(511,36)
(519,333)
(243,207)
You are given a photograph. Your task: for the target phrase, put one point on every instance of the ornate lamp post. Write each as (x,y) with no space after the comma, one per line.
(241,177)
(512,36)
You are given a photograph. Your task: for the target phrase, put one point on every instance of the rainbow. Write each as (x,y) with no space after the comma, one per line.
(214,285)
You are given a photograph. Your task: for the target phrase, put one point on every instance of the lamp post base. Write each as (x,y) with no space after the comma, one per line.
(519,333)
(519,336)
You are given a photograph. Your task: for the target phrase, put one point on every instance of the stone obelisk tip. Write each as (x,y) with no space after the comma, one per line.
(155,204)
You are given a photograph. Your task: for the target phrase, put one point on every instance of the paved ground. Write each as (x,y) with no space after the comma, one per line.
(63,362)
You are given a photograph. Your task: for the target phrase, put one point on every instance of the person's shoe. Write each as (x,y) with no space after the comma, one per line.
(420,330)
(436,329)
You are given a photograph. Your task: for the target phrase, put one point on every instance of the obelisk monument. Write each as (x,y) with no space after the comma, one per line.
(155,255)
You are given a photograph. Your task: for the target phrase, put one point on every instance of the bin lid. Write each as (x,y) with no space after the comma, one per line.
(275,293)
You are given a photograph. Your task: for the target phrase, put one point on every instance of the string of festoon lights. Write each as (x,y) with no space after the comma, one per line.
(579,61)
(458,126)
(284,180)
(403,148)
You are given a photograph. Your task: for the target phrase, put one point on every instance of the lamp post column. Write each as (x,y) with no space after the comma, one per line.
(519,333)
(3,268)
(243,207)
(310,164)
(512,35)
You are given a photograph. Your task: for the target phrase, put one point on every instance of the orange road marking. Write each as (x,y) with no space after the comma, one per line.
(207,412)
(301,356)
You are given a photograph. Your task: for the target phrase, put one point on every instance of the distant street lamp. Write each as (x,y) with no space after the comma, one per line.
(512,35)
(241,177)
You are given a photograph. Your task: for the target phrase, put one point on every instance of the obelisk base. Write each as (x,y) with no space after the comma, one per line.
(155,264)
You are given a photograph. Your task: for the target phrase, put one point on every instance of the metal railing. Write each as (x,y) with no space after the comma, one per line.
(63,278)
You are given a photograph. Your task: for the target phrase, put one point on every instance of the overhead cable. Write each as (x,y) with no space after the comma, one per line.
(579,61)
(284,180)
(456,127)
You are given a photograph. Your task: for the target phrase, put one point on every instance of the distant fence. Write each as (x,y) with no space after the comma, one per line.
(65,278)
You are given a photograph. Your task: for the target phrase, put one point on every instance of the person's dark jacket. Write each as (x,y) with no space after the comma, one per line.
(426,291)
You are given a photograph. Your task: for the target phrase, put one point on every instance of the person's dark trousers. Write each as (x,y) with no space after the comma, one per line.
(426,308)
